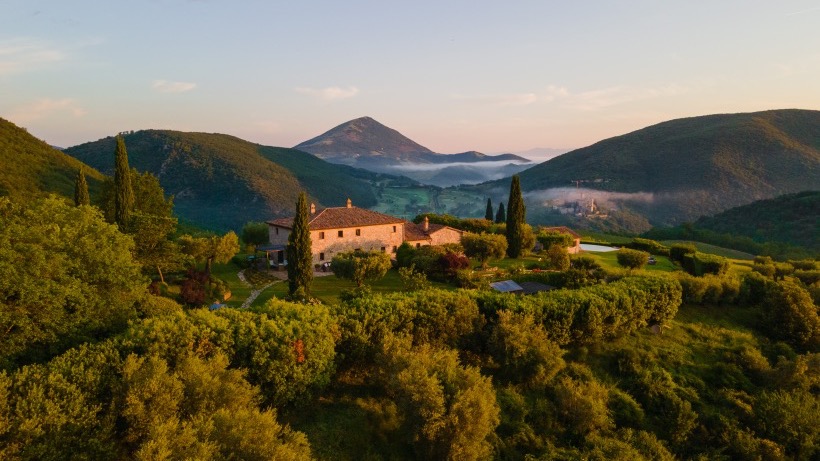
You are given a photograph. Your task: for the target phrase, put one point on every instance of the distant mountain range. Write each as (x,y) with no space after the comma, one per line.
(366,143)
(665,174)
(679,170)
(220,182)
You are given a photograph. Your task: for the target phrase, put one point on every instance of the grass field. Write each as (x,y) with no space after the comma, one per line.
(714,249)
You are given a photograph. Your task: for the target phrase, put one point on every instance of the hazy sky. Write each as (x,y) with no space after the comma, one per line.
(452,75)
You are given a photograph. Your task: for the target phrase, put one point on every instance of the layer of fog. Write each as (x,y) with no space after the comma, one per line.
(440,166)
(564,196)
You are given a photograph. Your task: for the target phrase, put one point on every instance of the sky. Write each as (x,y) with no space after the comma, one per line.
(451,75)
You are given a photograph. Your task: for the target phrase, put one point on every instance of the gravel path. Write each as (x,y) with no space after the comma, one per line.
(255,293)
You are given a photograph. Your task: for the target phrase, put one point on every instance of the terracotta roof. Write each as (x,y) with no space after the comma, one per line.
(563,230)
(413,231)
(340,218)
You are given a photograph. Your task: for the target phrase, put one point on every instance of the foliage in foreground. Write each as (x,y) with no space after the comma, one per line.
(464,374)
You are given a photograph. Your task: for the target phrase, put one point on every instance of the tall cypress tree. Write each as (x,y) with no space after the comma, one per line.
(501,216)
(81,190)
(124,191)
(516,217)
(489,214)
(300,258)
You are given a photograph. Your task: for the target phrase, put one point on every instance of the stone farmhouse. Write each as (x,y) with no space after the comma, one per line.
(342,229)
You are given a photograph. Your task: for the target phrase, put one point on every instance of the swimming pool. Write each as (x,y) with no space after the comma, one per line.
(597,248)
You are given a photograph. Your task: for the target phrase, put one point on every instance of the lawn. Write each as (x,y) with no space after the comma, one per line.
(329,287)
(609,260)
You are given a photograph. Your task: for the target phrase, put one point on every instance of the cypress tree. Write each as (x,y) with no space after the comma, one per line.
(501,216)
(124,191)
(81,190)
(300,258)
(516,217)
(489,214)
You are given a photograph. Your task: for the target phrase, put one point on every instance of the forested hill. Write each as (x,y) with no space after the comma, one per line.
(30,167)
(762,227)
(220,182)
(695,166)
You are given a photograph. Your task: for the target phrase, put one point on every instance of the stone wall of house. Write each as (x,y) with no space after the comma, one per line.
(445,235)
(326,243)
(278,235)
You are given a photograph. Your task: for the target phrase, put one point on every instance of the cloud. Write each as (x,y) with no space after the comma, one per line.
(46,107)
(164,86)
(585,101)
(24,55)
(331,93)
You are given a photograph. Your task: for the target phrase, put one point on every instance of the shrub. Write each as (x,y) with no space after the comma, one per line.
(557,257)
(484,246)
(807,277)
(405,254)
(804,265)
(678,250)
(632,259)
(412,279)
(549,238)
(703,263)
(523,351)
(649,246)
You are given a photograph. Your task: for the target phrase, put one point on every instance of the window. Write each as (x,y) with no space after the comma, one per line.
(277,230)
(394,228)
(395,248)
(418,245)
(341,233)
(321,235)
(358,232)
(384,250)
(321,256)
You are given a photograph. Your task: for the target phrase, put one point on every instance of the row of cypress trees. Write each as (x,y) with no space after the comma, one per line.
(124,190)
(515,218)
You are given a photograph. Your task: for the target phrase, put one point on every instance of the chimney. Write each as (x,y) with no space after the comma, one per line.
(426,224)
(312,208)
(349,203)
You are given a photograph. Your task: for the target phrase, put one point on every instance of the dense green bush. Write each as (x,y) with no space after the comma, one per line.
(678,250)
(440,317)
(709,289)
(595,313)
(523,351)
(649,246)
(632,259)
(449,411)
(548,238)
(703,263)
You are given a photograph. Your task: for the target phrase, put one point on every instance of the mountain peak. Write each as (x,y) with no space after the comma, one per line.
(363,137)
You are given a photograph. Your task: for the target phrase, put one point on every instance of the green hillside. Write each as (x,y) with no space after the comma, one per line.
(762,227)
(30,167)
(693,167)
(220,182)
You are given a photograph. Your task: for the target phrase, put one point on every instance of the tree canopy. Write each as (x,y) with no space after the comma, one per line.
(300,255)
(516,219)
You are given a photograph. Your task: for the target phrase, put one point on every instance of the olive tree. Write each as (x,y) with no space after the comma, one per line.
(484,246)
(360,266)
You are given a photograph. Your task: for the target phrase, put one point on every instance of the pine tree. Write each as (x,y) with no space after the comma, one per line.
(81,190)
(501,216)
(516,218)
(124,191)
(300,258)
(489,214)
